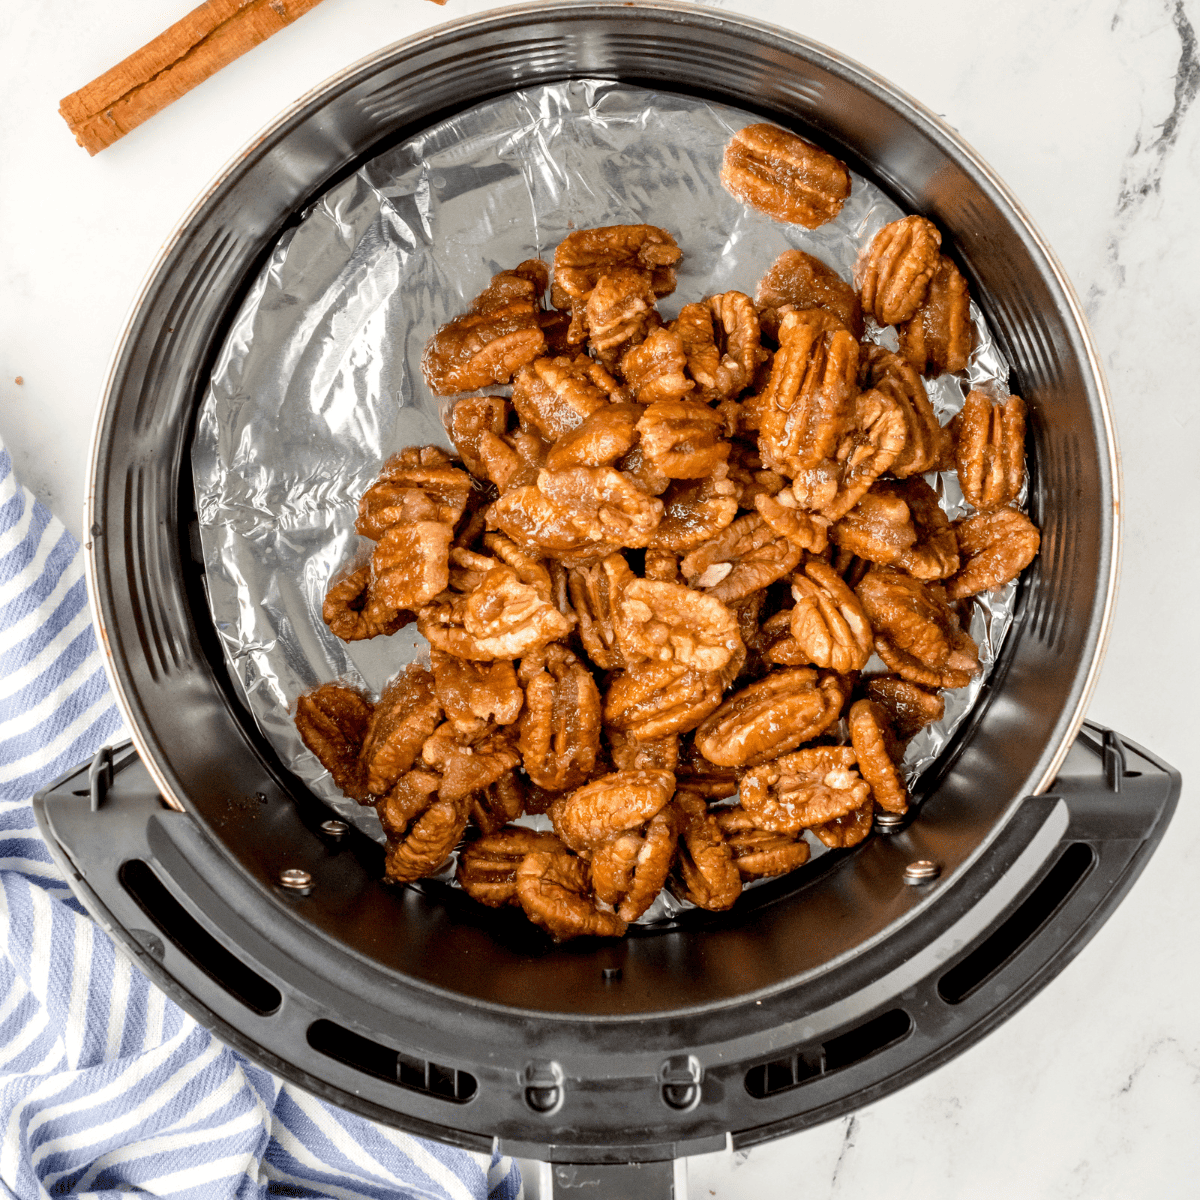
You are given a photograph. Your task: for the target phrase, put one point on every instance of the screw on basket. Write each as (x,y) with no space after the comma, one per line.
(334,829)
(921,871)
(888,822)
(295,879)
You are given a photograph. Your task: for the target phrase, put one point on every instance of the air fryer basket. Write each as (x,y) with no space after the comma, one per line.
(427,1012)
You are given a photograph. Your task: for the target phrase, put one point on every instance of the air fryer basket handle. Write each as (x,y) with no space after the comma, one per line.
(153,880)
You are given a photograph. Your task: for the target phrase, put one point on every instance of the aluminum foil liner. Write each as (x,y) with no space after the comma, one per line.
(319,380)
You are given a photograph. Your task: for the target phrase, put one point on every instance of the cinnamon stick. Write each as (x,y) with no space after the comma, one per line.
(189,52)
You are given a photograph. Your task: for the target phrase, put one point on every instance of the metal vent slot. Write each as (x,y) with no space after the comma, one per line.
(185,932)
(373,1058)
(987,958)
(783,1074)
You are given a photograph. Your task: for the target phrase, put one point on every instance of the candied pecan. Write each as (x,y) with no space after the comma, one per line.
(428,841)
(599,810)
(741,559)
(804,282)
(808,406)
(408,798)
(407,713)
(784,176)
(619,313)
(602,504)
(935,554)
(809,531)
(828,622)
(654,368)
(843,832)
(554,395)
(629,871)
(737,340)
(501,618)
(894,273)
(487,867)
(540,526)
(660,699)
(901,524)
(474,693)
(835,486)
(697,341)
(705,871)
(560,727)
(771,716)
(353,611)
(996,547)
(498,803)
(990,455)
(554,890)
(694,773)
(682,438)
(641,472)
(916,633)
(628,754)
(924,439)
(332,721)
(411,564)
(585,255)
(937,338)
(662,565)
(876,749)
(469,763)
(694,511)
(667,622)
(805,788)
(603,437)
(777,645)
(595,592)
(477,426)
(749,476)
(414,485)
(759,853)
(909,707)
(526,281)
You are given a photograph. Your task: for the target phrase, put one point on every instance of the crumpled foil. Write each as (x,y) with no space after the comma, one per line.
(319,379)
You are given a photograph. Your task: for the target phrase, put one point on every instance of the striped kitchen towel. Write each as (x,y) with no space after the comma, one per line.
(106,1086)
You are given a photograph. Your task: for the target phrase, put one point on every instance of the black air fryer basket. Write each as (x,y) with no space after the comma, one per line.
(423,1010)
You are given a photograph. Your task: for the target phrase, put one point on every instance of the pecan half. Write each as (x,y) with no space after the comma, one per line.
(828,622)
(937,338)
(759,853)
(332,721)
(411,564)
(801,281)
(809,531)
(802,789)
(602,504)
(843,832)
(741,559)
(654,369)
(771,716)
(603,437)
(785,176)
(560,727)
(418,484)
(595,592)
(427,842)
(909,708)
(894,274)
(877,752)
(682,438)
(499,802)
(469,763)
(705,872)
(996,547)
(694,511)
(353,611)
(629,871)
(901,524)
(990,455)
(554,890)
(619,313)
(487,867)
(628,754)
(554,395)
(407,713)
(738,343)
(667,622)
(661,699)
(924,439)
(599,810)
(475,693)
(541,526)
(477,427)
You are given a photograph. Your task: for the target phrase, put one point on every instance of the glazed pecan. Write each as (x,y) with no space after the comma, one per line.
(801,281)
(694,773)
(894,274)
(475,693)
(937,338)
(698,342)
(759,853)
(469,763)
(407,491)
(560,727)
(682,439)
(554,889)
(741,559)
(411,564)
(595,592)
(628,754)
(541,526)
(487,867)
(924,439)
(828,622)
(809,531)
(654,369)
(661,699)
(353,611)
(408,798)
(602,504)
(916,633)
(603,437)
(777,645)
(407,713)
(667,622)
(554,395)
(934,555)
(771,716)
(802,789)
(996,547)
(843,832)
(529,568)
(427,842)
(497,335)
(875,747)
(738,345)
(785,176)
(629,870)
(705,872)
(332,721)
(477,427)
(909,708)
(499,802)
(695,511)
(900,524)
(619,313)
(587,254)
(990,455)
(607,806)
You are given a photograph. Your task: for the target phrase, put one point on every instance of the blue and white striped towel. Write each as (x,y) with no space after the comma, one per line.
(106,1086)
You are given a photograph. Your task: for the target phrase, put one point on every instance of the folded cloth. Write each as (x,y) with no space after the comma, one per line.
(107,1086)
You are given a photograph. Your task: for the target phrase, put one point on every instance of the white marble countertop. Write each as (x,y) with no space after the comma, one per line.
(1086,110)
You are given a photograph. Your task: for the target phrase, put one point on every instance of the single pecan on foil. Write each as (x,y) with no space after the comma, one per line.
(598,811)
(411,564)
(683,438)
(772,716)
(487,866)
(759,853)
(878,752)
(784,176)
(828,621)
(800,281)
(496,336)
(560,726)
(705,872)
(333,721)
(407,713)
(996,546)
(418,484)
(554,889)
(990,454)
(353,611)
(629,870)
(894,274)
(805,788)
(667,622)
(925,442)
(937,338)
